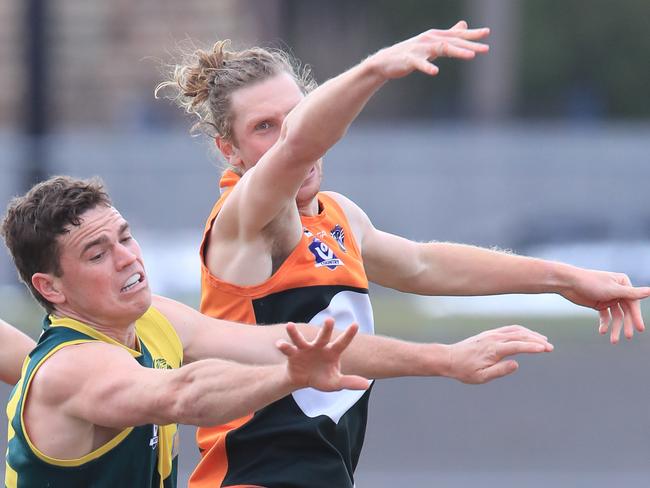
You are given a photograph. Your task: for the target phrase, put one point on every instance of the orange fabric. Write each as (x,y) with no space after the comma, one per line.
(212,467)
(233,302)
(228,179)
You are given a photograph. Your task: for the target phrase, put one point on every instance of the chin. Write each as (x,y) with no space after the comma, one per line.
(308,192)
(304,198)
(141,305)
(146,301)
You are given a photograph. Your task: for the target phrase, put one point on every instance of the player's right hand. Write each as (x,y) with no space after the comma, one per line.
(317,363)
(481,358)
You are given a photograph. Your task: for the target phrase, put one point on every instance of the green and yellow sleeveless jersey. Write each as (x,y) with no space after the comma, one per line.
(138,457)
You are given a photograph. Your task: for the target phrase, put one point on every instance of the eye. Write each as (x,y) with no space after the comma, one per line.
(264,125)
(125,239)
(97,257)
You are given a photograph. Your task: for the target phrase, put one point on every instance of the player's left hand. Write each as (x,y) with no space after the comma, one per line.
(417,53)
(317,363)
(613,295)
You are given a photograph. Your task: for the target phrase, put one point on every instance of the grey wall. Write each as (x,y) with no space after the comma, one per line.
(506,186)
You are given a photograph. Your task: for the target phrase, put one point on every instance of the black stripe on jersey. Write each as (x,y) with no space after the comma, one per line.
(297,304)
(281,447)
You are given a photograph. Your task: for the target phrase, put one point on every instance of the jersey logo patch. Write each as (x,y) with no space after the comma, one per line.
(323,255)
(161,363)
(153,442)
(339,234)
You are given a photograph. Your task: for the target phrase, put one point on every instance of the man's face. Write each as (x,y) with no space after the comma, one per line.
(259,111)
(103,281)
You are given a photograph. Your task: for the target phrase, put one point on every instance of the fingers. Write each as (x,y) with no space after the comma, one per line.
(519,347)
(425,66)
(637,293)
(498,370)
(617,323)
(604,321)
(457,42)
(286,348)
(324,335)
(517,338)
(450,50)
(461,24)
(452,47)
(475,47)
(461,29)
(322,340)
(343,341)
(520,329)
(517,333)
(296,337)
(628,327)
(634,311)
(352,382)
(623,315)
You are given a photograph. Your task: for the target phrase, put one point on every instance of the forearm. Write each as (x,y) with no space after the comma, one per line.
(456,269)
(383,357)
(368,355)
(212,392)
(15,347)
(324,116)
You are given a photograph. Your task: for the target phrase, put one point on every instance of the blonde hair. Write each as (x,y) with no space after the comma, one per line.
(201,84)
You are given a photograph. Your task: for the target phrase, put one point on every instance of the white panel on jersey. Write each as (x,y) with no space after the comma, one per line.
(346,307)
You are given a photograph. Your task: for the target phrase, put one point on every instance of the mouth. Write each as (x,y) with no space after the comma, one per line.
(134,280)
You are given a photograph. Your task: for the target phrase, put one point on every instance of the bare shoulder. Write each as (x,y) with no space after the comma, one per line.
(237,249)
(231,221)
(340,199)
(170,308)
(357,217)
(184,319)
(64,374)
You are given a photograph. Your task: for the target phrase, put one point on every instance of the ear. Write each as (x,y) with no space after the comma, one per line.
(48,286)
(229,151)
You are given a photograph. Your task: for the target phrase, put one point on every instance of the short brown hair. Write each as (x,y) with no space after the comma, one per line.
(204,79)
(34,222)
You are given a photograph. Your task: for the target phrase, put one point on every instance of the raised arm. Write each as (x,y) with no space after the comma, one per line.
(14,349)
(323,117)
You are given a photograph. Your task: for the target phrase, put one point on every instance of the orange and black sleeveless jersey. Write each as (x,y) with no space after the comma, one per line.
(309,438)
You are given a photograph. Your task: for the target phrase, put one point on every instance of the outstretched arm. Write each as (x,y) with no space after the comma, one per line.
(14,349)
(324,116)
(102,384)
(475,360)
(439,268)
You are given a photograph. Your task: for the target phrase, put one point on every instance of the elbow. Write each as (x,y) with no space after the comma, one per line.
(307,144)
(182,402)
(300,150)
(189,404)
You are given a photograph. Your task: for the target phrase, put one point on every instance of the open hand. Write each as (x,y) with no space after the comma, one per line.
(480,358)
(417,52)
(317,363)
(612,294)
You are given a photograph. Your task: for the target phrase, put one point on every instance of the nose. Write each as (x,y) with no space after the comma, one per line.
(124,256)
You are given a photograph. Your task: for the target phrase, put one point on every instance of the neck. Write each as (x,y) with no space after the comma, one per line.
(308,209)
(124,334)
